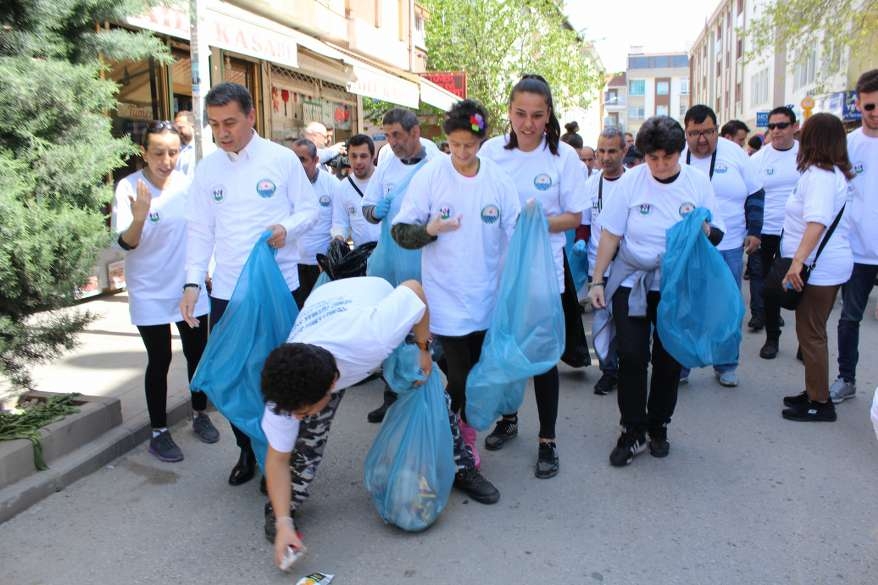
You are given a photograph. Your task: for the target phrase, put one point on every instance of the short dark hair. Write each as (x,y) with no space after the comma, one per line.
(360,140)
(537,84)
(405,118)
(297,375)
(613,132)
(868,82)
(785,111)
(732,127)
(157,127)
(312,148)
(464,115)
(190,117)
(823,144)
(228,92)
(574,140)
(755,142)
(698,114)
(660,133)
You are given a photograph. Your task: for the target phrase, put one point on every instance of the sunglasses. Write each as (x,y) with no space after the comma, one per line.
(779,125)
(869,107)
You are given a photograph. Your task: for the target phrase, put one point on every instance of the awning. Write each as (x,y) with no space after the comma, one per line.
(372,82)
(437,96)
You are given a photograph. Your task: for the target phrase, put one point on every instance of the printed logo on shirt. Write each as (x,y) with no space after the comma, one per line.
(490,214)
(352,210)
(852,191)
(721,168)
(388,188)
(769,171)
(445,212)
(266,188)
(645,208)
(542,182)
(858,168)
(686,208)
(218,193)
(325,201)
(154,216)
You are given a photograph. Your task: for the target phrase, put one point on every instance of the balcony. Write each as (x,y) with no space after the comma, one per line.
(614,100)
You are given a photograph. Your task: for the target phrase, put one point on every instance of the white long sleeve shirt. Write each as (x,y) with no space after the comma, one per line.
(316,239)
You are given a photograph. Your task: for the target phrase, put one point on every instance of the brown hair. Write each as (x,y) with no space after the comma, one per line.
(824,145)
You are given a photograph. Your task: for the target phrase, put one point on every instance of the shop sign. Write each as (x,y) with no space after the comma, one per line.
(133,111)
(453,81)
(376,84)
(849,111)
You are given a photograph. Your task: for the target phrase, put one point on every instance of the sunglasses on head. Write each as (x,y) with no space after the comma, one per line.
(779,125)
(869,107)
(159,125)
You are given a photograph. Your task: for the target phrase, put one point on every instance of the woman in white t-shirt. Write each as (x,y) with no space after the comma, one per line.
(818,199)
(149,219)
(461,210)
(548,170)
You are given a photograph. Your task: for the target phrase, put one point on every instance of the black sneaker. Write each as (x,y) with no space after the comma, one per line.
(756,323)
(503,431)
(658,442)
(164,448)
(377,415)
(606,384)
(799,354)
(811,412)
(796,399)
(630,444)
(473,484)
(270,526)
(769,350)
(547,461)
(204,429)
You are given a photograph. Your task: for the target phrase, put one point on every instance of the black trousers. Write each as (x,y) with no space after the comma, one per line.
(217,309)
(576,353)
(157,340)
(308,275)
(768,251)
(461,354)
(641,411)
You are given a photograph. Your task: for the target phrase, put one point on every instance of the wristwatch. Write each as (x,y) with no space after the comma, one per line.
(191,285)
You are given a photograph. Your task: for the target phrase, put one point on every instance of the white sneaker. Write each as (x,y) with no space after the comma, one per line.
(841,390)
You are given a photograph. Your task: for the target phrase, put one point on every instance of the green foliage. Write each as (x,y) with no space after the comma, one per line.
(56,150)
(496,41)
(27,423)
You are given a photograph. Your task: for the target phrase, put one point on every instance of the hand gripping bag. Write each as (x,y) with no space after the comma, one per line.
(526,334)
(389,260)
(259,317)
(410,467)
(578,266)
(701,308)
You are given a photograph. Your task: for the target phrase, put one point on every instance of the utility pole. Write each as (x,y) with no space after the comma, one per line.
(199,56)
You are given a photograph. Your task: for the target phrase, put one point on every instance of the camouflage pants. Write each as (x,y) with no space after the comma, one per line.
(308,451)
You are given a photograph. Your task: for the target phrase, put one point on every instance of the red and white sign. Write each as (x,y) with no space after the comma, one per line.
(453,81)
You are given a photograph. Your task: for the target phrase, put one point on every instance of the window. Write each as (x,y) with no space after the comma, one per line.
(684,86)
(637,87)
(661,110)
(662,88)
(759,88)
(803,73)
(612,97)
(636,112)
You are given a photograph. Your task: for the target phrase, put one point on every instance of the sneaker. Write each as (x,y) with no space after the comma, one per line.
(469,436)
(377,415)
(204,429)
(841,390)
(606,384)
(547,461)
(658,442)
(796,399)
(811,412)
(270,527)
(799,355)
(756,323)
(728,379)
(684,377)
(630,444)
(164,448)
(504,430)
(769,350)
(473,484)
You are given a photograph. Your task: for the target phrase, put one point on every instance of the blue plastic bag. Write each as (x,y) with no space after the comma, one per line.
(701,308)
(578,263)
(526,335)
(389,260)
(410,468)
(259,317)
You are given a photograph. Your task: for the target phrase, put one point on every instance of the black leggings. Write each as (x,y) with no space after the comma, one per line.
(546,391)
(461,354)
(157,339)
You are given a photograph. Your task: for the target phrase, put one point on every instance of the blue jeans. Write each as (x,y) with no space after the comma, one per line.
(854,296)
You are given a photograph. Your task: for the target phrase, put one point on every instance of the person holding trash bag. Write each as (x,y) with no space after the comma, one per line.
(822,259)
(461,211)
(544,168)
(650,199)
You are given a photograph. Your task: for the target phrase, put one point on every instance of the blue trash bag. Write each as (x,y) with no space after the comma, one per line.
(259,317)
(321,280)
(526,334)
(410,467)
(578,264)
(701,308)
(389,260)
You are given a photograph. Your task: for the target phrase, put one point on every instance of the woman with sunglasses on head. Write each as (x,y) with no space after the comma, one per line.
(544,168)
(149,220)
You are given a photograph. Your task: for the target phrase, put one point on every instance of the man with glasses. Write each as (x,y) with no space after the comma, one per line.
(777,166)
(739,197)
(863,153)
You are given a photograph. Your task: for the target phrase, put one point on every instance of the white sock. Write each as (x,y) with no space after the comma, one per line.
(157,432)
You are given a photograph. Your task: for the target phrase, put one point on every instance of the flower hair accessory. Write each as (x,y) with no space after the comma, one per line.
(477,122)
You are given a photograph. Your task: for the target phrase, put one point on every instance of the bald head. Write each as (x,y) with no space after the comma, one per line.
(316,133)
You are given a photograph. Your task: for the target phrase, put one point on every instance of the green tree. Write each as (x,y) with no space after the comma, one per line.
(56,150)
(496,41)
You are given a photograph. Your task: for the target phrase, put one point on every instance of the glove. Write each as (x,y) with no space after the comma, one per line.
(382,208)
(580,248)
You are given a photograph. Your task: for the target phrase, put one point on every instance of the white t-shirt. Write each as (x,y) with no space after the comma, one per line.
(360,321)
(390,172)
(643,210)
(779,174)
(598,195)
(863,152)
(461,269)
(818,197)
(316,240)
(386,152)
(233,200)
(347,212)
(557,182)
(186,159)
(154,272)
(734,179)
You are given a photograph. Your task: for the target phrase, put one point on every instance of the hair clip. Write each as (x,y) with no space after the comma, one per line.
(477,122)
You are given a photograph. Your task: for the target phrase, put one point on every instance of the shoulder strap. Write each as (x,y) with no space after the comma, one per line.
(712,160)
(828,235)
(354,185)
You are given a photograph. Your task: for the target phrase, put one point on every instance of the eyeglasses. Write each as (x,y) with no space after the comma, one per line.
(779,125)
(869,107)
(707,133)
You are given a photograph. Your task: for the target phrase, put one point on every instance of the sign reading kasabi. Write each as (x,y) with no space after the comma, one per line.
(453,81)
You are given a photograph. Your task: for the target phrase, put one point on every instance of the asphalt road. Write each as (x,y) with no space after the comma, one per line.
(745,497)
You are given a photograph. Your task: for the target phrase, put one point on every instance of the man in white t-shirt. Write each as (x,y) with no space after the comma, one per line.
(863,153)
(248,186)
(739,196)
(347,202)
(345,331)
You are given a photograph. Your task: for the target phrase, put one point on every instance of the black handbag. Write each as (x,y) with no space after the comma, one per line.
(774,289)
